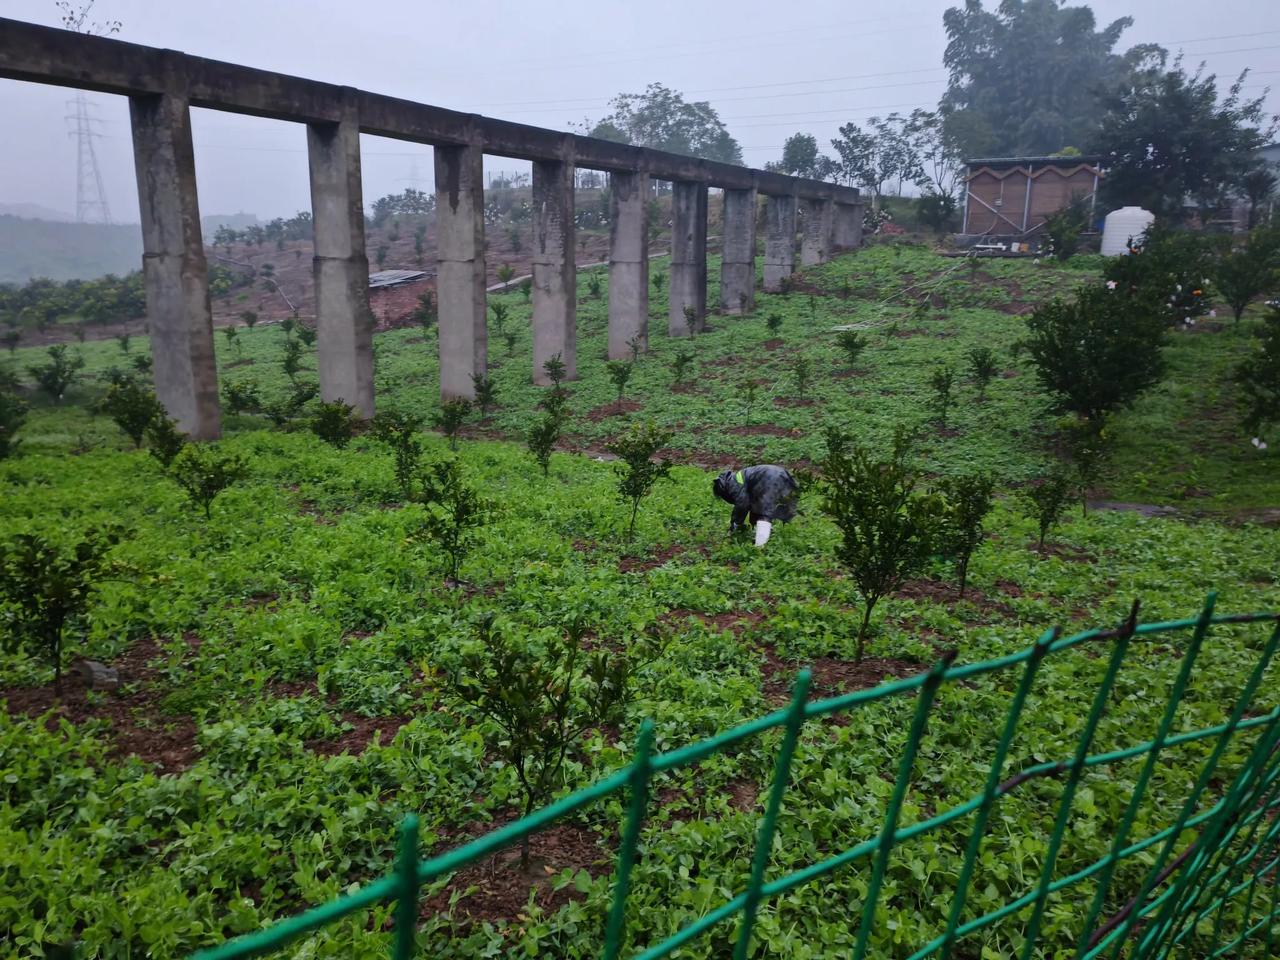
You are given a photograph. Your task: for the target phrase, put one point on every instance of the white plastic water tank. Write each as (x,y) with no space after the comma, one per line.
(1120,226)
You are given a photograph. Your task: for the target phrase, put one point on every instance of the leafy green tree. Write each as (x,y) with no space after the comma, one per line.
(879,155)
(800,158)
(1168,135)
(1244,273)
(1026,77)
(619,374)
(595,286)
(450,418)
(250,318)
(164,440)
(851,344)
(1064,226)
(800,374)
(500,313)
(540,700)
(661,119)
(204,472)
(425,311)
(132,407)
(942,380)
(454,513)
(1088,445)
(510,338)
(526,288)
(1258,377)
(1046,501)
(13,414)
(969,498)
(504,273)
(399,431)
(1098,352)
(659,282)
(637,473)
(486,392)
(241,396)
(680,364)
(1166,268)
(46,588)
(541,439)
(773,323)
(1259,186)
(887,529)
(940,163)
(335,423)
(982,368)
(59,374)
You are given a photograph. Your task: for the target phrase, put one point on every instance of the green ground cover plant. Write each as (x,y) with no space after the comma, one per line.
(288,663)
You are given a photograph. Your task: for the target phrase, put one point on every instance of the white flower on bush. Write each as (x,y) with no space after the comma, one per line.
(1111,284)
(1259,443)
(1213,314)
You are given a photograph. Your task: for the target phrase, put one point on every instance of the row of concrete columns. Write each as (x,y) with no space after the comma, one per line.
(176,272)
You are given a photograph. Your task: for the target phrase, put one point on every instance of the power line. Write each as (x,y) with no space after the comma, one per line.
(91,195)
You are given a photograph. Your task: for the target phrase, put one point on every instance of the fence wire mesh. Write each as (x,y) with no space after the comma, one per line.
(1208,883)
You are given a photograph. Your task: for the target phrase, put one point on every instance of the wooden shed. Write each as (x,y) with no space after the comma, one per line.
(1012,196)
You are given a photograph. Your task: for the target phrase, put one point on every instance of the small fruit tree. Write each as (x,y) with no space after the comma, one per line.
(636,470)
(47,586)
(540,698)
(887,529)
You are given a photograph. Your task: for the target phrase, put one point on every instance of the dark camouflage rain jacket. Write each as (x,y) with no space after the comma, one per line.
(765,492)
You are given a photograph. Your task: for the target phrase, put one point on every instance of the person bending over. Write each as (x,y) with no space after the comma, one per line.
(761,495)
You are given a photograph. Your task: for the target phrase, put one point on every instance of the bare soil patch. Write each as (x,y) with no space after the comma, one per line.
(614,409)
(361,734)
(496,889)
(762,430)
(773,344)
(830,676)
(138,727)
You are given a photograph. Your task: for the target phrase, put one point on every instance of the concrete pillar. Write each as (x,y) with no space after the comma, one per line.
(847,227)
(738,253)
(174,271)
(815,242)
(344,323)
(460,276)
(779,241)
(688,283)
(628,263)
(555,284)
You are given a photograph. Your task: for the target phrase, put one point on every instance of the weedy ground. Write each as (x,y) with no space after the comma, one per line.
(283,708)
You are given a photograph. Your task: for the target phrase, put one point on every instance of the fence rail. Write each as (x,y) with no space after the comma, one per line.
(1225,877)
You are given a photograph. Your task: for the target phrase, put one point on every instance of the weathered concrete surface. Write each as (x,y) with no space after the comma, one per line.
(688,282)
(174,270)
(816,240)
(344,323)
(555,283)
(847,227)
(460,276)
(779,241)
(628,264)
(738,253)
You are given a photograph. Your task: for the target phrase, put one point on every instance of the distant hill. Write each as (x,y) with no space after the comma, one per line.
(34,211)
(66,251)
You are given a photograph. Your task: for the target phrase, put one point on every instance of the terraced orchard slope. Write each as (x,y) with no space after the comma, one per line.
(284,665)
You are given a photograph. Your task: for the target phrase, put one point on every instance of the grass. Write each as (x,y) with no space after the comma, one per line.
(283,709)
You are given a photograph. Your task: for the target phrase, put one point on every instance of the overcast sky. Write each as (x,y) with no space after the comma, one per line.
(770,68)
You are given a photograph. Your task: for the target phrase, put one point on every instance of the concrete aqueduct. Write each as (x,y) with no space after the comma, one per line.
(163,85)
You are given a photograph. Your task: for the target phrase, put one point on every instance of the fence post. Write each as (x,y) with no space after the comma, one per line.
(1073,778)
(928,692)
(406,888)
(764,841)
(640,773)
(1148,767)
(1206,773)
(993,781)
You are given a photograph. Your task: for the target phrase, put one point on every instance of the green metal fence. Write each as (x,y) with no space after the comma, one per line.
(1211,880)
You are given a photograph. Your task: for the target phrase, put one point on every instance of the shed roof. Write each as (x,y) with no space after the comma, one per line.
(390,278)
(1065,161)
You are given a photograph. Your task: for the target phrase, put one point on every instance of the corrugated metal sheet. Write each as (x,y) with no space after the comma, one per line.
(389,278)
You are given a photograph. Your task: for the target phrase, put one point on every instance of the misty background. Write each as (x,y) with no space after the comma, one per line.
(770,69)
